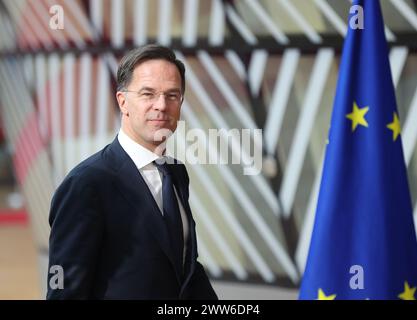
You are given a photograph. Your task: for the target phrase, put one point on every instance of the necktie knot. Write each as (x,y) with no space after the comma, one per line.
(162,167)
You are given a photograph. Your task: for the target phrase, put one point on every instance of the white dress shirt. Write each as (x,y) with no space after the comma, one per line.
(143,159)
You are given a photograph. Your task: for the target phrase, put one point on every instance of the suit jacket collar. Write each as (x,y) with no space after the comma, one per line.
(139,154)
(131,184)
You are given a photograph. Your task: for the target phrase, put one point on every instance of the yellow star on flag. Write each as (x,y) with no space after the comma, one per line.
(322,296)
(358,116)
(408,293)
(395,126)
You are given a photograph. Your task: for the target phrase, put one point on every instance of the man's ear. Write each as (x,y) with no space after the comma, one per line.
(122,102)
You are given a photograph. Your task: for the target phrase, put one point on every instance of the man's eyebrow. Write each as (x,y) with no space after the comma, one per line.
(146,89)
(153,90)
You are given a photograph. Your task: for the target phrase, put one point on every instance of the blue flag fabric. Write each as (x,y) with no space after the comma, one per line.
(363,244)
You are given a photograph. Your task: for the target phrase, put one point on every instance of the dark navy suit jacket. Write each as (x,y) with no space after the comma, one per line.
(108,235)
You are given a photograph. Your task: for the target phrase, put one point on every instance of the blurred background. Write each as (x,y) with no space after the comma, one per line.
(267,64)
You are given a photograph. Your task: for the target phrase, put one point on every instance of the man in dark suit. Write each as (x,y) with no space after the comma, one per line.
(121,225)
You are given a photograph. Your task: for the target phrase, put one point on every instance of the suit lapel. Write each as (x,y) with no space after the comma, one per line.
(135,190)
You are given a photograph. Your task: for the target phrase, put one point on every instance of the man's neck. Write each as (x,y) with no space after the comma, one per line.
(158,149)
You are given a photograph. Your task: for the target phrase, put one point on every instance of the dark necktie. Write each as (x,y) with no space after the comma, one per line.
(172,215)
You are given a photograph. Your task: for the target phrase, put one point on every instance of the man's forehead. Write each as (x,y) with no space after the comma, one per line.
(157,66)
(156,71)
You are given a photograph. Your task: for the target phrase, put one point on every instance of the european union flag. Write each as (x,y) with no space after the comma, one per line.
(363,244)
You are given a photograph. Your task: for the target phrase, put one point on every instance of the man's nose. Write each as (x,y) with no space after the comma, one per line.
(160,102)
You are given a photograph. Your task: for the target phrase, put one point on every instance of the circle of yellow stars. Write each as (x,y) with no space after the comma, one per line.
(407,294)
(358,118)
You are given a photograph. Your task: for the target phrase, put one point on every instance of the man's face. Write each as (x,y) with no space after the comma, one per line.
(152,105)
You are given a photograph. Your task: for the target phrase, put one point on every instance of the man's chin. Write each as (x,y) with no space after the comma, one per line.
(159,123)
(161,134)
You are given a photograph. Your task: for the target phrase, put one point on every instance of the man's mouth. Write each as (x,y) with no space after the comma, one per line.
(158,120)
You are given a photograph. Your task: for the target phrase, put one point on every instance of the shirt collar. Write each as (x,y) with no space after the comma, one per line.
(139,154)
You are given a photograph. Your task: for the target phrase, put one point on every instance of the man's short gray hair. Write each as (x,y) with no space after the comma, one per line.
(147,52)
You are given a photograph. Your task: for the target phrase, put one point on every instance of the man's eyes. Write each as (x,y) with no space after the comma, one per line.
(173,96)
(169,95)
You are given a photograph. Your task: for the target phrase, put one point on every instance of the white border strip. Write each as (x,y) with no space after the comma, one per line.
(117,23)
(407,12)
(84,104)
(309,31)
(217,22)
(70,157)
(96,15)
(40,68)
(397,58)
(332,16)
(279,100)
(256,70)
(304,238)
(266,20)
(164,22)
(240,26)
(140,21)
(236,64)
(316,85)
(409,133)
(102,101)
(55,110)
(190,24)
